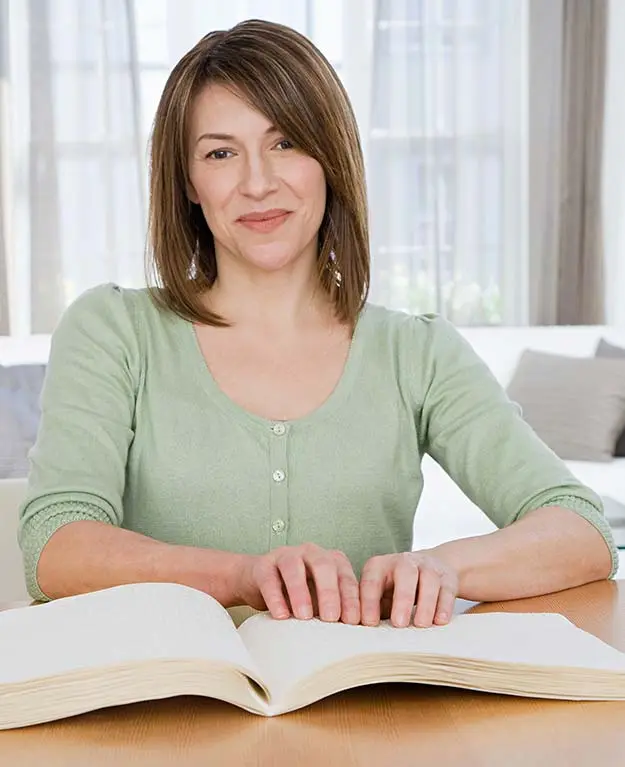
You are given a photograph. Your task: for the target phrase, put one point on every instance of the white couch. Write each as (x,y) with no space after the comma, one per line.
(444,512)
(12,585)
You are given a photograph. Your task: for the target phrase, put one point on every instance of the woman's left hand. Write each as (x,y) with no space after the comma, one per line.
(394,583)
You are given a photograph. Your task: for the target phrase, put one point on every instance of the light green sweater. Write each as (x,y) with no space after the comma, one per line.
(135,432)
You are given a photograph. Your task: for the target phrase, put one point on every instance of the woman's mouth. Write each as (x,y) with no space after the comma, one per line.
(264,221)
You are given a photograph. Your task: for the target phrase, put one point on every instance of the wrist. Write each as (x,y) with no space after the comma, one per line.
(454,555)
(479,562)
(217,573)
(240,582)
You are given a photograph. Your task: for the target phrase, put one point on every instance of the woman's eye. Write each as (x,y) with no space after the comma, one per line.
(218,154)
(284,144)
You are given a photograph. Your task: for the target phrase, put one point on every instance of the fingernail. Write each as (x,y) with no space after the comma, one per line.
(330,616)
(442,618)
(305,613)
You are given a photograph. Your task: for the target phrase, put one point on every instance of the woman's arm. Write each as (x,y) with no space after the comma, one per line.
(517,562)
(71,531)
(547,550)
(86,556)
(552,530)
(71,520)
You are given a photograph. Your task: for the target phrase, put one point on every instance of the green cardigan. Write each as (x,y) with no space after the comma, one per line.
(135,432)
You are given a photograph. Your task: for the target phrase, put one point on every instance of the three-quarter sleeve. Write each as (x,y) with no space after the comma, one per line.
(478,435)
(78,463)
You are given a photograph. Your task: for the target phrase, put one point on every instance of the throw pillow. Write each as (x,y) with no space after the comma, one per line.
(20,389)
(609,351)
(16,436)
(575,405)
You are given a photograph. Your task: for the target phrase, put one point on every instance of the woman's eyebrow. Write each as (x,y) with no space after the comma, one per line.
(230,136)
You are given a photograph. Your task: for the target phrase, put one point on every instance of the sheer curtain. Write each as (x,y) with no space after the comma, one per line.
(438,88)
(446,157)
(4,55)
(77,172)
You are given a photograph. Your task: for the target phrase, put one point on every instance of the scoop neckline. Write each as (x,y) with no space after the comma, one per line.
(329,406)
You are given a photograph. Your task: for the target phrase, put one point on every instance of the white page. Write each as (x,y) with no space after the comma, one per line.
(137,622)
(292,650)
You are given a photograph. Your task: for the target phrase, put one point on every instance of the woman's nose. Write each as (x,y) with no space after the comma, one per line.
(258,178)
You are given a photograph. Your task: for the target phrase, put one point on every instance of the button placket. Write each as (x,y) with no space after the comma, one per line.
(278,496)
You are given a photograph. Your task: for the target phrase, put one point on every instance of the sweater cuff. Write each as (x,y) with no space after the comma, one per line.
(593,514)
(40,528)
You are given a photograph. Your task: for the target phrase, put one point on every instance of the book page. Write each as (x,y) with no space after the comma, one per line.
(291,651)
(120,625)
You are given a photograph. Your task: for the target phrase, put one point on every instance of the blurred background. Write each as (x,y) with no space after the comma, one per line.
(491,130)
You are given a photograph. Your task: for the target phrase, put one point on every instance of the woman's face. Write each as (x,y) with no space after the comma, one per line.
(263,200)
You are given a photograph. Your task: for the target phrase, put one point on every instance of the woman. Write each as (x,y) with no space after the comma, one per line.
(253,428)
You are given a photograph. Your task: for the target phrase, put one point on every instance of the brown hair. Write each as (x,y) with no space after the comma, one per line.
(280,73)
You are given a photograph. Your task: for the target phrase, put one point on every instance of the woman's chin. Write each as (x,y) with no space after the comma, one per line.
(271,262)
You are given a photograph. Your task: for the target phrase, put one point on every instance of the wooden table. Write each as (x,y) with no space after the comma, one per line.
(383,725)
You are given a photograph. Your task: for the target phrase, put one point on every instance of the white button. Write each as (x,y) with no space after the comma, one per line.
(278,429)
(278,475)
(278,526)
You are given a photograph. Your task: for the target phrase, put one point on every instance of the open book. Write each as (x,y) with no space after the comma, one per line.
(148,641)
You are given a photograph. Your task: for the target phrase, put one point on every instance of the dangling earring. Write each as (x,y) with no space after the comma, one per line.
(195,260)
(333,266)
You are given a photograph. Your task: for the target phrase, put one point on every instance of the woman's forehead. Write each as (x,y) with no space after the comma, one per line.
(221,111)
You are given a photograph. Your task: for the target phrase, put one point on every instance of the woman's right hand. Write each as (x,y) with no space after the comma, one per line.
(301,581)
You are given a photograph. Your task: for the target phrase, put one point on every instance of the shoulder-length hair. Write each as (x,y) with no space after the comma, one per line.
(282,74)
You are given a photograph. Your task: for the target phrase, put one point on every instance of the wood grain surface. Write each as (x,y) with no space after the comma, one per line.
(394,725)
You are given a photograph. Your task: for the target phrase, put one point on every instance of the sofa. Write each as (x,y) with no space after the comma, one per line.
(444,512)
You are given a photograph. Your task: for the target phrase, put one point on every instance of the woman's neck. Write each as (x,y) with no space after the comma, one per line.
(272,301)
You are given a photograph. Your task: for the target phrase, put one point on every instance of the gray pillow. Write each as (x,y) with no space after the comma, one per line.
(20,389)
(24,378)
(609,351)
(575,405)
(16,435)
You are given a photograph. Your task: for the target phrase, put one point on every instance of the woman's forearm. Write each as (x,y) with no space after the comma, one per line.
(548,550)
(88,556)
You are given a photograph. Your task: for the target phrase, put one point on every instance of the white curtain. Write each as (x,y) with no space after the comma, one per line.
(77,187)
(4,55)
(438,87)
(446,156)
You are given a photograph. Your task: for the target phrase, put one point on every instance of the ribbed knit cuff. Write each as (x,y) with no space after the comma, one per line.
(38,530)
(594,515)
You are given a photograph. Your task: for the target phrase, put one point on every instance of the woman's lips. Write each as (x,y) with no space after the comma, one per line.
(265,225)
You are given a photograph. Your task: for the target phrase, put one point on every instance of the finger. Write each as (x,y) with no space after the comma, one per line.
(349,591)
(293,572)
(323,568)
(406,579)
(445,606)
(372,585)
(271,588)
(427,597)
